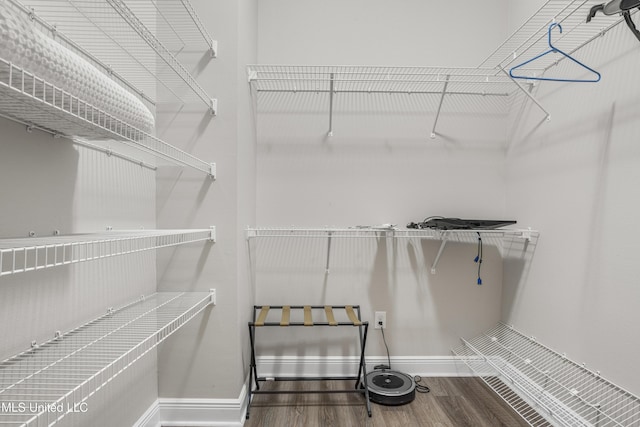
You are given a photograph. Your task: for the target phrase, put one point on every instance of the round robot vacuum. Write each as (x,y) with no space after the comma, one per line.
(390,388)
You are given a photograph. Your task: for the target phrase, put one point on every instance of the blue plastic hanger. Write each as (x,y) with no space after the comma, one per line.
(551,50)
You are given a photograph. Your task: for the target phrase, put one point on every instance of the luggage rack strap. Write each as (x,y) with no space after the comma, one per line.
(351,311)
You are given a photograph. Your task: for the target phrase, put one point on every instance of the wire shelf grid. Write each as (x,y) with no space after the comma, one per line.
(135,38)
(531,38)
(44,384)
(442,89)
(455,88)
(376,232)
(32,253)
(27,98)
(563,391)
(370,79)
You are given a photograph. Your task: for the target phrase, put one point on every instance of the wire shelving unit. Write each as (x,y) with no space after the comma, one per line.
(132,38)
(37,253)
(463,87)
(464,236)
(29,99)
(52,380)
(546,387)
(440,83)
(502,238)
(530,39)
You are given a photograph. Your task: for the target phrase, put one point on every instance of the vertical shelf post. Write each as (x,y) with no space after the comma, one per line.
(330,233)
(330,133)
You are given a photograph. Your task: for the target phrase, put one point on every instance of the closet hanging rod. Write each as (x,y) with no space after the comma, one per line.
(400,92)
(440,78)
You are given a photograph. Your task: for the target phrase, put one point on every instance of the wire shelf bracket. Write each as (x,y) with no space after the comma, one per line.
(104,348)
(444,92)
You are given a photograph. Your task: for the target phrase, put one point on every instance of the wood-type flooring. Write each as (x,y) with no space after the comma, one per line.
(452,402)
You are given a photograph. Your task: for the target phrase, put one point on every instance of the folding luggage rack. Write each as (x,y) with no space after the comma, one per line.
(353,314)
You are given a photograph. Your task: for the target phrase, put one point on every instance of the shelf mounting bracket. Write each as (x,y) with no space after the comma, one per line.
(444,92)
(443,244)
(330,233)
(526,92)
(212,171)
(330,133)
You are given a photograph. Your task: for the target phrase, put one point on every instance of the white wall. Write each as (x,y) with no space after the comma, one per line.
(207,359)
(379,167)
(379,32)
(575,179)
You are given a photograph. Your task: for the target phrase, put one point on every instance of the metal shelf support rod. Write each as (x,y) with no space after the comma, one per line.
(438,255)
(328,251)
(526,92)
(331,91)
(386,92)
(444,92)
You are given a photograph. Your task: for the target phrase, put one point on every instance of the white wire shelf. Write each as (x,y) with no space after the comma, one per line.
(376,232)
(37,253)
(442,84)
(30,99)
(546,387)
(531,38)
(370,79)
(52,380)
(138,39)
(503,239)
(453,89)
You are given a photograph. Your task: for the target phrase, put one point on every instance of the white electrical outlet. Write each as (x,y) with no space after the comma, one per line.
(380,319)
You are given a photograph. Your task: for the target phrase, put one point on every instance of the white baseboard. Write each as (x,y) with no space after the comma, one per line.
(231,412)
(196,412)
(426,366)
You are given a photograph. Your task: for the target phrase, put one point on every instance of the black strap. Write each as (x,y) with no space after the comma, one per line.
(630,24)
(594,10)
(629,4)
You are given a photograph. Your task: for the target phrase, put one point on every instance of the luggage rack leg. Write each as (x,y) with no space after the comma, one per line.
(360,385)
